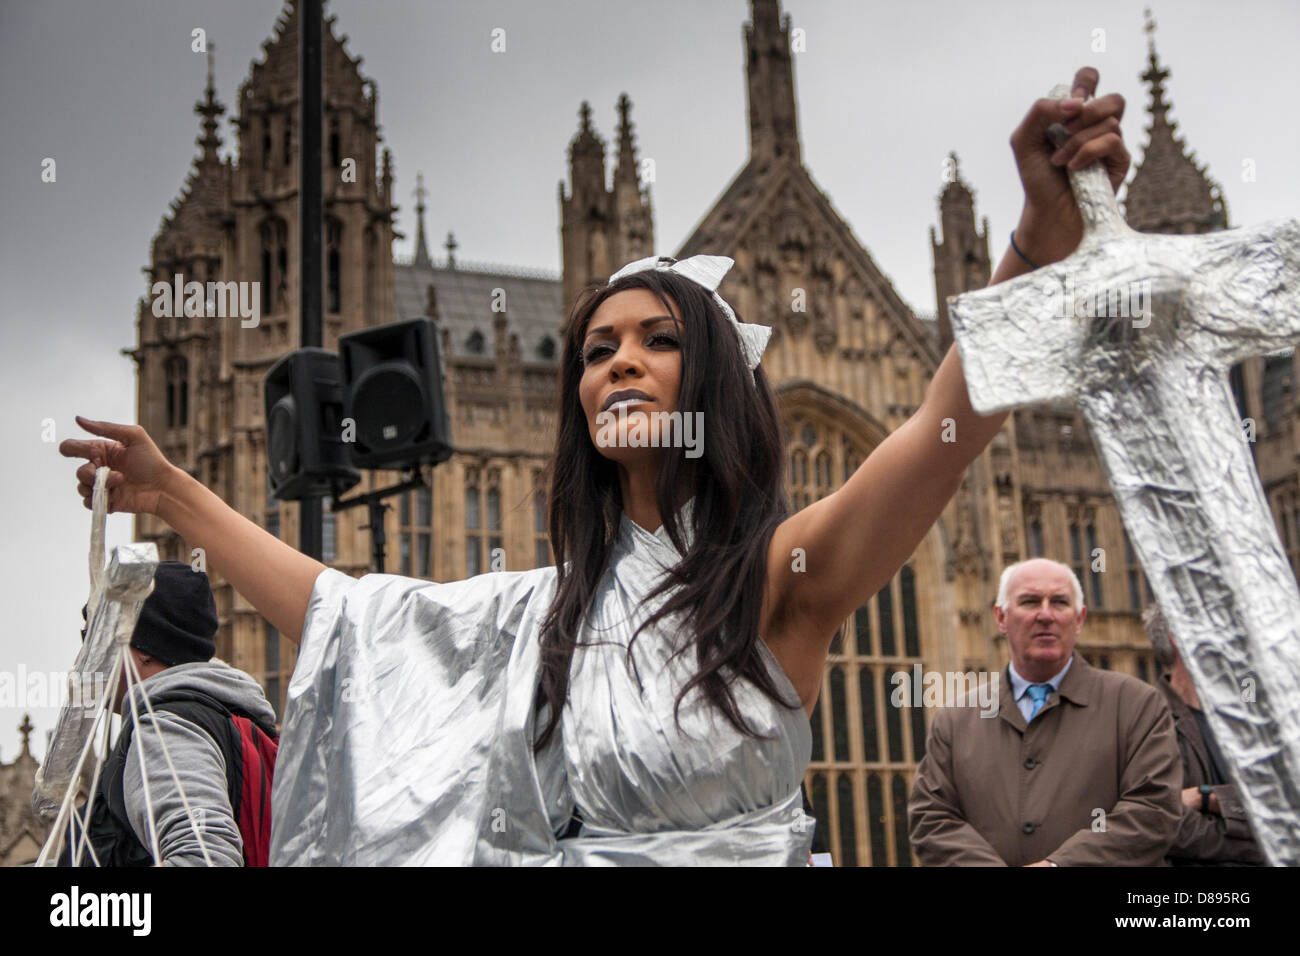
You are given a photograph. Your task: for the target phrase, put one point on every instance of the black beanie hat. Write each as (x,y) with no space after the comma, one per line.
(178,622)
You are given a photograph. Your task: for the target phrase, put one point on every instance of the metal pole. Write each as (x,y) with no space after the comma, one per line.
(311,224)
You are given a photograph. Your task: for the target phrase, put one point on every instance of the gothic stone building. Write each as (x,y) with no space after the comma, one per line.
(848,369)
(21,834)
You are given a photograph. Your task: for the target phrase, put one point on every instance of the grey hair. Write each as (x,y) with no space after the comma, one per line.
(1157,628)
(1003,600)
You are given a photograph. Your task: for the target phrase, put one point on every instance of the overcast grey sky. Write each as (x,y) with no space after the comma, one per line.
(885,90)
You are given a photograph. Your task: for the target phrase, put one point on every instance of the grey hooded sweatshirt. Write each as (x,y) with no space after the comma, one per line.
(199,764)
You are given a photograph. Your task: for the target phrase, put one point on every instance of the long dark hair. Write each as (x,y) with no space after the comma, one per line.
(738,503)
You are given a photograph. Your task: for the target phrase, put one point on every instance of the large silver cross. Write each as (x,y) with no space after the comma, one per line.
(1141,330)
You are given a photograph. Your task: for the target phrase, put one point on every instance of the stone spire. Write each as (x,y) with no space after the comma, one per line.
(961,260)
(625,171)
(602,227)
(196,213)
(633,216)
(26,728)
(210,109)
(773,127)
(586,212)
(421,246)
(451,245)
(1169,191)
(586,158)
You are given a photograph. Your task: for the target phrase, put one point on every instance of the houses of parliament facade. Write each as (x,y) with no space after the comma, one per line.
(847,371)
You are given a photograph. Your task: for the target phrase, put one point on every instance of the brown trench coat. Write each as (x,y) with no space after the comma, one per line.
(1207,839)
(1092,781)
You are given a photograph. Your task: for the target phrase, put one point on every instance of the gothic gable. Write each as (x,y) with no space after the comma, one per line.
(786,236)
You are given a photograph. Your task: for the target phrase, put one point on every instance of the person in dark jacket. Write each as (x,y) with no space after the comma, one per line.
(193,697)
(1214,829)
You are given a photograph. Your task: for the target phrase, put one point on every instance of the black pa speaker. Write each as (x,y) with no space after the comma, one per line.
(305,451)
(392,378)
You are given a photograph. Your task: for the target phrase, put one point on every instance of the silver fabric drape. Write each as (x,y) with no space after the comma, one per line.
(411,715)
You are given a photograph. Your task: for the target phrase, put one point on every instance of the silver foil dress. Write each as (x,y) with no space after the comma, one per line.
(408,732)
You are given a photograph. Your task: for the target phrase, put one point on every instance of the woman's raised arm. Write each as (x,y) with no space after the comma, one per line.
(854,540)
(276,579)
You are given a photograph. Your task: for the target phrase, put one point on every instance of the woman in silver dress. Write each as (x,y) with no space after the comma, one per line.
(656,684)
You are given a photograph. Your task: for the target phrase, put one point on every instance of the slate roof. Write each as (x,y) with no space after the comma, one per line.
(534,303)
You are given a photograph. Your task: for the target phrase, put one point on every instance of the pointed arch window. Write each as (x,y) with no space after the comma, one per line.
(1036,538)
(415,532)
(333,265)
(822,474)
(372,278)
(266,253)
(495,541)
(1276,389)
(840,716)
(1076,549)
(273,235)
(541,538)
(177,371)
(907,587)
(867,704)
(876,818)
(848,815)
(473,524)
(424,530)
(1094,576)
(1133,574)
(901,844)
(483,539)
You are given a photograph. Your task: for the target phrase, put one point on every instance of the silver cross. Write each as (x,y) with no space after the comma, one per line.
(1141,330)
(111,620)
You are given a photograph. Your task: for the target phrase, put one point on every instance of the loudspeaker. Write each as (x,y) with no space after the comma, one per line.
(305,452)
(393,392)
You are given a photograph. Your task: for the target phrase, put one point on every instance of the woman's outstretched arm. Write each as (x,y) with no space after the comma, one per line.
(276,579)
(854,540)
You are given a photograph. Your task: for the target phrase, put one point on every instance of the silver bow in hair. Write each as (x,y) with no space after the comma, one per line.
(708,272)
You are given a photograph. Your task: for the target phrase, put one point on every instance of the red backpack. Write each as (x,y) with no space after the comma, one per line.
(249,749)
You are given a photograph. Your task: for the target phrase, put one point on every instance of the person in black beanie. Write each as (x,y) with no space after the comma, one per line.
(213,722)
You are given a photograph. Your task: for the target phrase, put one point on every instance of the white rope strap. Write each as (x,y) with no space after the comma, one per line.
(133,679)
(49,853)
(121,660)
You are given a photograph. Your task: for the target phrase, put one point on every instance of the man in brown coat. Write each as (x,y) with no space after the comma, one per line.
(1214,829)
(1078,767)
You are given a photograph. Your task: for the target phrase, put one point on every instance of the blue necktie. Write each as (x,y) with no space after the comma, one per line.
(1039,694)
